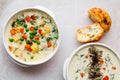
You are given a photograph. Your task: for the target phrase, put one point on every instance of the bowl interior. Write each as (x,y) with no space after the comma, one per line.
(5,44)
(73,64)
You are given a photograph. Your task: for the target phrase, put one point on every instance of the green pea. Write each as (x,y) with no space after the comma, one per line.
(31,33)
(25,25)
(36,28)
(31,36)
(11,39)
(21,39)
(27,30)
(34,32)
(28,42)
(38,42)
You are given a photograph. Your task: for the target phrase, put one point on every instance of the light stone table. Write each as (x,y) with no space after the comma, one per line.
(70,15)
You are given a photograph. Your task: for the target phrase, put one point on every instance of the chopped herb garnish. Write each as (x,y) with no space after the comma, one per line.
(20,42)
(32,22)
(56,37)
(13,24)
(31,57)
(20,21)
(28,53)
(49,39)
(82,55)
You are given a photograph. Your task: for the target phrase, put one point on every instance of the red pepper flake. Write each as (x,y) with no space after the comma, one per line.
(113,68)
(10,48)
(86,56)
(106,77)
(104,68)
(82,75)
(101,60)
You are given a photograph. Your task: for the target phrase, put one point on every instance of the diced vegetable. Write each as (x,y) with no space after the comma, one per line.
(11,39)
(38,42)
(49,44)
(34,32)
(47,28)
(27,18)
(16,38)
(10,48)
(13,32)
(22,30)
(37,38)
(24,36)
(40,31)
(33,17)
(44,33)
(106,77)
(31,36)
(27,46)
(35,48)
(31,28)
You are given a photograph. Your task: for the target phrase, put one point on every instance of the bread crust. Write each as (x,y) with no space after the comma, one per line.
(95,38)
(100,16)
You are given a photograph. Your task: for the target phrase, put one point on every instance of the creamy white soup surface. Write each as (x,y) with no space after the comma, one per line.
(31,35)
(94,63)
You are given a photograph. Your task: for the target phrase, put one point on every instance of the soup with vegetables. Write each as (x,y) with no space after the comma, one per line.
(94,63)
(31,35)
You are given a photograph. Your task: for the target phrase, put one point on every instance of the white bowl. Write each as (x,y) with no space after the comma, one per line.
(27,64)
(68,60)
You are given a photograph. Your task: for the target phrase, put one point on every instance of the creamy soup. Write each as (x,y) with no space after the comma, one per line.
(94,63)
(31,35)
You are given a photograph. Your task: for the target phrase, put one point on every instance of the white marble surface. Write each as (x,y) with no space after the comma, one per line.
(70,15)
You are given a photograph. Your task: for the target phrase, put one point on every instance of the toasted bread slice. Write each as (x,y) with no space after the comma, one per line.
(100,16)
(90,33)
